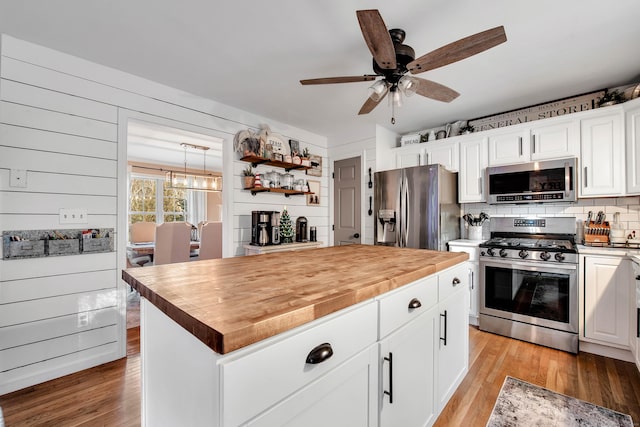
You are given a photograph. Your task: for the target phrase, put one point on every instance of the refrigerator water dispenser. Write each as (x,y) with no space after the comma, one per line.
(386,226)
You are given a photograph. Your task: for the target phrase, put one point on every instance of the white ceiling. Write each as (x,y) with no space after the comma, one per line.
(252,54)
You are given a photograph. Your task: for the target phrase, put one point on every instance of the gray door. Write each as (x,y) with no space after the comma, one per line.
(346,213)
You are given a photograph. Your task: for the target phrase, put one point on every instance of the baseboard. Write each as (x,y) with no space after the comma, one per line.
(603,350)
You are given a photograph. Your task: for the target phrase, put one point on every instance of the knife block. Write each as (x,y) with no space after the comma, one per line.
(597,233)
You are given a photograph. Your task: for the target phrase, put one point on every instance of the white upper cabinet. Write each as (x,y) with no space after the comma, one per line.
(439,152)
(633,149)
(602,155)
(509,147)
(444,153)
(410,155)
(555,140)
(474,158)
(537,141)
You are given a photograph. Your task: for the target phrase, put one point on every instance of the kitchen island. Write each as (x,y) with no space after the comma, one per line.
(275,339)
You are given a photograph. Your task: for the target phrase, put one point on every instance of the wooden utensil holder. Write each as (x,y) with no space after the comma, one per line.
(597,233)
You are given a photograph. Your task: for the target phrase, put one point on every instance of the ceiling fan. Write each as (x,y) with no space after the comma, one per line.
(395,61)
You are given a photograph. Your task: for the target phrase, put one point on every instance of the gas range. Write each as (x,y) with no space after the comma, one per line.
(550,240)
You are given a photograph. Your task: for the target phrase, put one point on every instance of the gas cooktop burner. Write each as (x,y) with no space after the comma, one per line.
(542,244)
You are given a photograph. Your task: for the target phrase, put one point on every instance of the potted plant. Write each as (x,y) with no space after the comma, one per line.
(610,98)
(466,129)
(306,161)
(248,175)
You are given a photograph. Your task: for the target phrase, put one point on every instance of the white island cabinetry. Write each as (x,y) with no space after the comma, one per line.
(341,369)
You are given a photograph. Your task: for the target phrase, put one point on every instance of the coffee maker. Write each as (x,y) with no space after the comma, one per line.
(301,229)
(265,228)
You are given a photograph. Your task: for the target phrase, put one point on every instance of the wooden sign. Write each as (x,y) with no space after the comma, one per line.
(556,108)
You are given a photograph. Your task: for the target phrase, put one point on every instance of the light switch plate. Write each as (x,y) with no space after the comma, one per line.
(18,178)
(73,216)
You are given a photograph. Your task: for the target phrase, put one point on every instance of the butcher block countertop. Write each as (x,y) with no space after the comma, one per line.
(233,302)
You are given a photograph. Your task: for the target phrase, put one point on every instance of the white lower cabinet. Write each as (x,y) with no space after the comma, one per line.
(407,374)
(472,247)
(607,300)
(452,356)
(423,361)
(346,396)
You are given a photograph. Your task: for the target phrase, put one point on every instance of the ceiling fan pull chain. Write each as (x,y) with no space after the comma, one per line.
(393,113)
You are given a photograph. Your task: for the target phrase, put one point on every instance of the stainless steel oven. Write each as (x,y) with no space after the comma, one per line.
(529,282)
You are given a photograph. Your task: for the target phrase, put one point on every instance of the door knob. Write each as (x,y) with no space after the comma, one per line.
(356,236)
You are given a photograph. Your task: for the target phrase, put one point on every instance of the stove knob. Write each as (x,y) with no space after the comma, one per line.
(490,252)
(503,253)
(559,256)
(545,256)
(523,254)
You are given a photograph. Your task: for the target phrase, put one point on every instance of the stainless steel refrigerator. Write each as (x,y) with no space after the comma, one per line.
(416,207)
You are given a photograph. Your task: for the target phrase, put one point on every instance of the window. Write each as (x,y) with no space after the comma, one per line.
(151,200)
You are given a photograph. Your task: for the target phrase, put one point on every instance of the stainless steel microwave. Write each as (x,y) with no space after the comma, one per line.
(534,182)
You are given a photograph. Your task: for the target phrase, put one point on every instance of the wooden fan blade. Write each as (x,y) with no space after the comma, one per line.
(377,38)
(345,79)
(369,105)
(435,90)
(458,50)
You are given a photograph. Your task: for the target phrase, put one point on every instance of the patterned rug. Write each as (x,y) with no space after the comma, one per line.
(522,404)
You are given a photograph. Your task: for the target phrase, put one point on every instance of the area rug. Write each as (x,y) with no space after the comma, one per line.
(522,404)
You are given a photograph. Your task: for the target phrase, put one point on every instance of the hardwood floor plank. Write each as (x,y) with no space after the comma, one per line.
(109,394)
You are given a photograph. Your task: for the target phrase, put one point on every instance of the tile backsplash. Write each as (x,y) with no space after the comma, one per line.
(629,208)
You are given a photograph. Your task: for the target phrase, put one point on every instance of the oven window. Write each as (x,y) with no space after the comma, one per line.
(530,293)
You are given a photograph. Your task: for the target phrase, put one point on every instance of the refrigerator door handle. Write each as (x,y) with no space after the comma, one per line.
(406,212)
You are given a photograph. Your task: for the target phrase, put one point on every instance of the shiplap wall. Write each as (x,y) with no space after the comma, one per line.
(63,119)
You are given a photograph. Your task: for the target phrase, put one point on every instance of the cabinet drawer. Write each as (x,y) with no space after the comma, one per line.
(257,380)
(451,281)
(473,251)
(395,308)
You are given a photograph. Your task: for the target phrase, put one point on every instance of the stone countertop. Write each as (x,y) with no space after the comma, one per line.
(607,251)
(233,302)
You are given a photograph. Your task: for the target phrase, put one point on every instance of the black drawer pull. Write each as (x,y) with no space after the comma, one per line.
(320,354)
(415,303)
(455,281)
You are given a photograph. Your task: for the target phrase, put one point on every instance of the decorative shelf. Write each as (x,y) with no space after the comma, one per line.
(287,193)
(255,161)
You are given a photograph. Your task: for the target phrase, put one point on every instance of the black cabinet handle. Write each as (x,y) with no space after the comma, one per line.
(319,354)
(415,303)
(356,236)
(444,340)
(455,281)
(390,392)
(370,183)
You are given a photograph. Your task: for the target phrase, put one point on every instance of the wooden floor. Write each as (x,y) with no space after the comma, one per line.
(109,395)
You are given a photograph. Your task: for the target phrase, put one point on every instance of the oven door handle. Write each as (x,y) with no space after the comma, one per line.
(531,266)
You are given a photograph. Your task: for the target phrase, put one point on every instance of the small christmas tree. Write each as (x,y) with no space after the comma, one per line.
(286,230)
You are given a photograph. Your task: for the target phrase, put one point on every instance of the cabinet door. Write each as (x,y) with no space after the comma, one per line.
(407,376)
(607,300)
(509,147)
(601,155)
(474,157)
(408,156)
(633,151)
(555,141)
(453,345)
(445,154)
(347,396)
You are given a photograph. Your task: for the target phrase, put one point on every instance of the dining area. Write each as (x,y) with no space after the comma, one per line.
(171,242)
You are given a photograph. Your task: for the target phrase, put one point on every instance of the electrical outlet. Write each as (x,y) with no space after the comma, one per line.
(73,216)
(18,178)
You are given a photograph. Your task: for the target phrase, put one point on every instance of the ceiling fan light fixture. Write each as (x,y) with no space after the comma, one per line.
(395,98)
(378,90)
(408,85)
